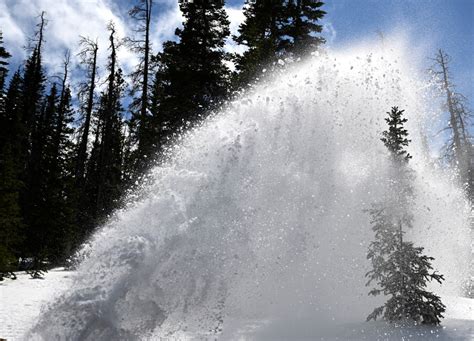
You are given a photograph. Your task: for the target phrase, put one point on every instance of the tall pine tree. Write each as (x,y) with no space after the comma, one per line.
(193,77)
(141,116)
(84,220)
(104,181)
(38,201)
(273,30)
(111,149)
(399,269)
(302,26)
(88,58)
(51,232)
(261,33)
(30,155)
(4,56)
(60,178)
(10,184)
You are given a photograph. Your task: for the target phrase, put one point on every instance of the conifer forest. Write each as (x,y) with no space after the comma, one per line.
(238,169)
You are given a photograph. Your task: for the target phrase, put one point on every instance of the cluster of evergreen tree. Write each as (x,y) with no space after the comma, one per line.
(60,178)
(36,159)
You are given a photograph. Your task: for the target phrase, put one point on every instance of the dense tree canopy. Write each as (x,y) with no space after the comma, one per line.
(275,29)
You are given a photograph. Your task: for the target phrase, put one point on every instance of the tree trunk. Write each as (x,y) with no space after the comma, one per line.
(451,108)
(82,153)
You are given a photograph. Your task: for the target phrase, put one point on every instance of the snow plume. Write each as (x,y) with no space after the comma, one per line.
(257,223)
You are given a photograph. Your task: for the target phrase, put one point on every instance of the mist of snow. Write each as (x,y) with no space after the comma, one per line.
(258,219)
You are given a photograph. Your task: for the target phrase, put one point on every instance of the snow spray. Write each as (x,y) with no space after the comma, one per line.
(257,219)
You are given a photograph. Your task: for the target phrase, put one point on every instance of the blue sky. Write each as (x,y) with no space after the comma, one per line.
(445,24)
(433,24)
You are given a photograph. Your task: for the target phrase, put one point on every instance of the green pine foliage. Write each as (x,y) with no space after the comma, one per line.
(399,269)
(59,186)
(36,202)
(11,223)
(261,34)
(301,24)
(396,137)
(4,56)
(273,30)
(34,111)
(88,61)
(105,172)
(192,76)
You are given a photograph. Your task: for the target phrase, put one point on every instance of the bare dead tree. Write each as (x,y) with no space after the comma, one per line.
(88,58)
(66,62)
(62,98)
(36,41)
(107,119)
(141,45)
(458,149)
(112,64)
(33,82)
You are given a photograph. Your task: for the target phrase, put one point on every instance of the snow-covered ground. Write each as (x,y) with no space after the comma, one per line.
(21,301)
(452,328)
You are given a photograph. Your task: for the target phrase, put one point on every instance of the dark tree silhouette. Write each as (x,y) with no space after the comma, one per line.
(399,269)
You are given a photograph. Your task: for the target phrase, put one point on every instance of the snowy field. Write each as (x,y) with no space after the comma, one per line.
(21,302)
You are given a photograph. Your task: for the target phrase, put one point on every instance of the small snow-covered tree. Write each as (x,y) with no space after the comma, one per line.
(399,269)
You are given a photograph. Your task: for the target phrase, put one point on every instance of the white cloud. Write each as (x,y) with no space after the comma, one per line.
(68,19)
(166,22)
(236,17)
(13,35)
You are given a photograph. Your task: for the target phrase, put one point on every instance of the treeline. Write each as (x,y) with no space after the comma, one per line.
(59,178)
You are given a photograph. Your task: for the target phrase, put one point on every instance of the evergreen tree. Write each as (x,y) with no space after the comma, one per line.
(396,137)
(192,78)
(31,141)
(104,174)
(88,57)
(33,86)
(261,33)
(37,208)
(111,150)
(400,270)
(301,25)
(4,56)
(51,231)
(45,163)
(276,29)
(10,184)
(60,181)
(140,122)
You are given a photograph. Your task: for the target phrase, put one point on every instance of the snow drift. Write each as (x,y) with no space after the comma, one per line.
(258,219)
